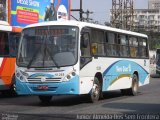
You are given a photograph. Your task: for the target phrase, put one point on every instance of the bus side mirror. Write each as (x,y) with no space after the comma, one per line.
(84,40)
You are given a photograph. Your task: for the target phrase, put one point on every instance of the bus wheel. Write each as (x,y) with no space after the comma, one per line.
(95,92)
(124,91)
(134,89)
(11,91)
(45,99)
(13,87)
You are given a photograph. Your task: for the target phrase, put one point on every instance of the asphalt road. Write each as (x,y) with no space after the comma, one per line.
(78,107)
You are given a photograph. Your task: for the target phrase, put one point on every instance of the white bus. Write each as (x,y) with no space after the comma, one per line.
(72,57)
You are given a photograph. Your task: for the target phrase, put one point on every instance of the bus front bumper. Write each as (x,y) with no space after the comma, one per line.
(61,88)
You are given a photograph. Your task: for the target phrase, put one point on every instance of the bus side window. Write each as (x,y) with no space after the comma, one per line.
(4,47)
(97,42)
(124,50)
(110,44)
(143,48)
(133,44)
(85,49)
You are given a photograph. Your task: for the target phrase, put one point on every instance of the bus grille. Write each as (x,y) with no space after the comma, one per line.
(47,80)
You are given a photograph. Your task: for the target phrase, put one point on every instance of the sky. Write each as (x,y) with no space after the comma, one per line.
(101,8)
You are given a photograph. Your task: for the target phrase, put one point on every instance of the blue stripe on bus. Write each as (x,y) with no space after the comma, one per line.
(122,68)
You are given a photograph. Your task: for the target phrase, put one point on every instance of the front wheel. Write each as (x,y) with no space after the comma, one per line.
(45,99)
(96,90)
(13,87)
(12,90)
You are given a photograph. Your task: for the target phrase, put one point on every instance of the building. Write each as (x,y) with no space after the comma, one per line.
(147,20)
(154,4)
(143,19)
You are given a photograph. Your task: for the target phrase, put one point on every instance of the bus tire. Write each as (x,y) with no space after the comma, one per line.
(95,91)
(13,87)
(11,91)
(45,98)
(124,91)
(134,89)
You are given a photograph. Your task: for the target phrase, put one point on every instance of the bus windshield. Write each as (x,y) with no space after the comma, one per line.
(48,46)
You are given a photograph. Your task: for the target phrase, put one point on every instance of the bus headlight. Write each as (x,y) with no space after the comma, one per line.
(25,74)
(73,74)
(17,75)
(21,78)
(69,76)
(21,75)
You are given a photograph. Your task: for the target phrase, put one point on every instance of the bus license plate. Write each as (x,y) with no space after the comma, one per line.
(43,87)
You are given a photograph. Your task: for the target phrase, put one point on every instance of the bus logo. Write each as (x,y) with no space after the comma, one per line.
(43,79)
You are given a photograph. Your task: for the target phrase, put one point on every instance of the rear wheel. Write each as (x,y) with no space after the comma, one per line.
(124,91)
(134,88)
(45,99)
(96,91)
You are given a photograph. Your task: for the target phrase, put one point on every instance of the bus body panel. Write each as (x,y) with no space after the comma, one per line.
(68,87)
(7,69)
(86,84)
(5,28)
(48,83)
(117,73)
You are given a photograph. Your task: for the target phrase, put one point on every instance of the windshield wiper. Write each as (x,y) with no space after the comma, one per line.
(46,49)
(52,57)
(33,58)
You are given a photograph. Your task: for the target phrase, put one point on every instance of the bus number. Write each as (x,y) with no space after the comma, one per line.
(59,74)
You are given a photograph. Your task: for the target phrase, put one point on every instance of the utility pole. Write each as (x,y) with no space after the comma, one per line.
(87,15)
(80,11)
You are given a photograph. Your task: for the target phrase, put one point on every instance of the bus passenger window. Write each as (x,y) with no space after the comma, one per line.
(124,51)
(4,47)
(97,41)
(111,46)
(143,48)
(133,43)
(85,48)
